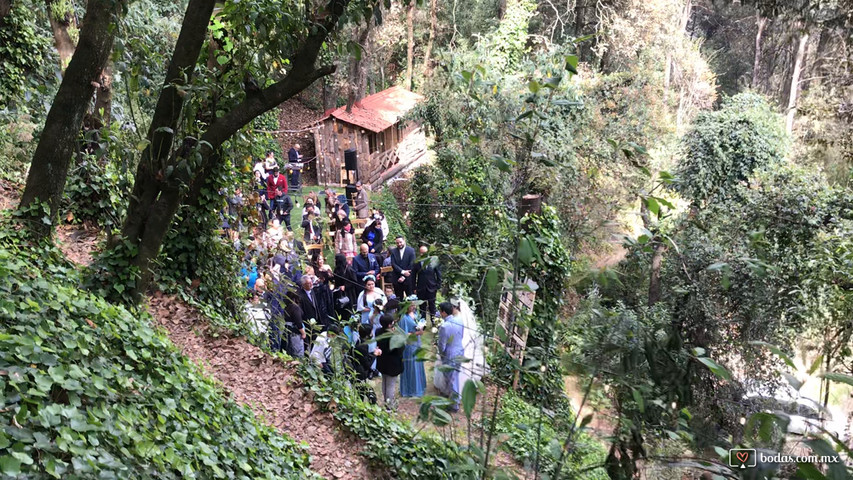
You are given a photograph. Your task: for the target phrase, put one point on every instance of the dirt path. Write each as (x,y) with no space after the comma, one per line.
(270,387)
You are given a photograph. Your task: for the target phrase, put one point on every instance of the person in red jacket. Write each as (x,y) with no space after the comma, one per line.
(277,187)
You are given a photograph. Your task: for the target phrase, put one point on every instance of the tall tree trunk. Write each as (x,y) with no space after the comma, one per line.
(357,77)
(156,195)
(64,44)
(58,142)
(761,22)
(433,22)
(410,42)
(5,10)
(156,190)
(654,272)
(795,81)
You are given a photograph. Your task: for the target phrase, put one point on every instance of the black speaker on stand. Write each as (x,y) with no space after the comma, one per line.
(351,165)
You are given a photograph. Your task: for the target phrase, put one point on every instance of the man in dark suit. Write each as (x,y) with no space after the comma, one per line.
(365,264)
(312,233)
(402,263)
(313,304)
(427,282)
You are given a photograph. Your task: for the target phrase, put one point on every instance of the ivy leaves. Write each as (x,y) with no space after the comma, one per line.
(91,390)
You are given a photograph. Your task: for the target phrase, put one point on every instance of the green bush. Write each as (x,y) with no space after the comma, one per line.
(725,146)
(519,420)
(91,391)
(22,53)
(390,442)
(95,192)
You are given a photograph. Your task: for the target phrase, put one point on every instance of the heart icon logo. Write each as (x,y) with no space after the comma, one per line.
(742,456)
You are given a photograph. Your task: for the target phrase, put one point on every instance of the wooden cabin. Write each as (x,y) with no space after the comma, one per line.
(385,145)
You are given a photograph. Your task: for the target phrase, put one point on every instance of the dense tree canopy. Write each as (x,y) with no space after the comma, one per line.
(668,182)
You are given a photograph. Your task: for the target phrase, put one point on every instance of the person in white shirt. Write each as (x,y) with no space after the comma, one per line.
(260,168)
(269,162)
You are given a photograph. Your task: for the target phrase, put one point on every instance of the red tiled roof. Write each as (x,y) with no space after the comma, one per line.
(380,110)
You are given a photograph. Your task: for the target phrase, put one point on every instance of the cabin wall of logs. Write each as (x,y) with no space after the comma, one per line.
(378,153)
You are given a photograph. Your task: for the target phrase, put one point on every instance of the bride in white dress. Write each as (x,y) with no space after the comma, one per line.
(473,340)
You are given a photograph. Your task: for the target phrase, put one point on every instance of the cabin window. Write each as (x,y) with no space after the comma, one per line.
(340,127)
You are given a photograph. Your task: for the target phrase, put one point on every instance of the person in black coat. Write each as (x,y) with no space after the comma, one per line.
(361,359)
(311,230)
(346,288)
(389,361)
(402,263)
(364,264)
(372,236)
(427,282)
(314,303)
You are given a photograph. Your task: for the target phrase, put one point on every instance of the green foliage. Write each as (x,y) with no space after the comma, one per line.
(509,42)
(16,144)
(386,201)
(92,390)
(96,192)
(22,52)
(195,250)
(725,146)
(410,454)
(529,430)
(551,270)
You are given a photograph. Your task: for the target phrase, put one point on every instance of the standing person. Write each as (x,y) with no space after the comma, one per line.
(413,380)
(294,326)
(368,297)
(261,197)
(402,263)
(345,241)
(346,288)
(361,200)
(261,169)
(277,195)
(295,157)
(373,237)
(312,233)
(311,305)
(450,349)
(386,230)
(389,361)
(235,204)
(331,199)
(269,163)
(275,300)
(322,353)
(365,264)
(427,282)
(361,360)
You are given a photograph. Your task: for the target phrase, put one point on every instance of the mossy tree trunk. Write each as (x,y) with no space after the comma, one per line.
(58,142)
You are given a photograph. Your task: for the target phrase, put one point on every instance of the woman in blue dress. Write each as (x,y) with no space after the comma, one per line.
(413,379)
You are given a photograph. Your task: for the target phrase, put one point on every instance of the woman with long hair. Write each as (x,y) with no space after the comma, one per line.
(346,288)
(413,379)
(345,241)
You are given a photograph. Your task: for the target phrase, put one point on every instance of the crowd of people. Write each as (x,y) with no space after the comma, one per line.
(302,304)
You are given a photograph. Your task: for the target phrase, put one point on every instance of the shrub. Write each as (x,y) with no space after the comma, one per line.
(92,391)
(394,443)
(725,146)
(95,192)
(520,421)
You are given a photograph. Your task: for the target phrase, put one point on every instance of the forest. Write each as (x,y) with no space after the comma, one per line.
(618,239)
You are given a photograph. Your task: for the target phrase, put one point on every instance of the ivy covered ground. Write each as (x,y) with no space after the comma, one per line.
(90,390)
